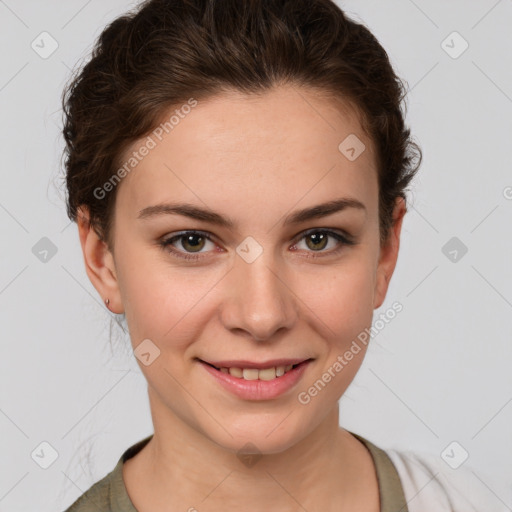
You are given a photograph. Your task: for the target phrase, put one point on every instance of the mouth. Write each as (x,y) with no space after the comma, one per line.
(246,370)
(260,381)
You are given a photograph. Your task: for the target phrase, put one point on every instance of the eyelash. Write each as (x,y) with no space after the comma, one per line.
(167,243)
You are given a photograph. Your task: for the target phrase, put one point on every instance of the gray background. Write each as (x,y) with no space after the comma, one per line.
(439,372)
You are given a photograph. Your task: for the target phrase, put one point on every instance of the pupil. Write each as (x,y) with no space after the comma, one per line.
(188,238)
(317,239)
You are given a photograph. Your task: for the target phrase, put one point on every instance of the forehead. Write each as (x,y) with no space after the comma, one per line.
(288,143)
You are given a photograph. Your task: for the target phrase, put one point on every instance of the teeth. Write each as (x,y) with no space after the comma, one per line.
(250,373)
(267,374)
(236,372)
(254,373)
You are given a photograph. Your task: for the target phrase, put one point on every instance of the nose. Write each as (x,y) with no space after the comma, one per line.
(259,301)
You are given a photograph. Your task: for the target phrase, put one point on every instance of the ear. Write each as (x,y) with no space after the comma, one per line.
(99,262)
(389,254)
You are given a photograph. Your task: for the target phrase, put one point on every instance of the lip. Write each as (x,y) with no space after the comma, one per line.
(231,363)
(258,389)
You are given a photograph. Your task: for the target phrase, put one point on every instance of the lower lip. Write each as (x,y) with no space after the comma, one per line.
(258,389)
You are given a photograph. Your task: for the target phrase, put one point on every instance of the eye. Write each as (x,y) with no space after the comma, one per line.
(192,241)
(189,244)
(316,240)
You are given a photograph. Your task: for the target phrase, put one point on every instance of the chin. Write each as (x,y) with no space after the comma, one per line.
(262,437)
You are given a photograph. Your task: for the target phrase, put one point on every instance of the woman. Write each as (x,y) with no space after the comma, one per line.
(237,171)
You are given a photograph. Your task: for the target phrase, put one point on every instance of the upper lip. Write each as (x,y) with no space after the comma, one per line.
(243,363)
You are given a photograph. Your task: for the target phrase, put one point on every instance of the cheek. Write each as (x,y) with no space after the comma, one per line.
(164,302)
(340,303)
(340,310)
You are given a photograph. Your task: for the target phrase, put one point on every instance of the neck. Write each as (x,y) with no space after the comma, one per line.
(183,467)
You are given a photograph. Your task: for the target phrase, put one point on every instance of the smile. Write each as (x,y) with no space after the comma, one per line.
(257,381)
(255,373)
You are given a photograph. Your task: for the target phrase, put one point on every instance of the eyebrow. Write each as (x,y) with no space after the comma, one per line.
(207,215)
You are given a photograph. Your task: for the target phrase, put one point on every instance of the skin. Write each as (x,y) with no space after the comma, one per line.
(254,159)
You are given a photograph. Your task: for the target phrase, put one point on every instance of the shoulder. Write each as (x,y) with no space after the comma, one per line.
(95,499)
(109,494)
(429,483)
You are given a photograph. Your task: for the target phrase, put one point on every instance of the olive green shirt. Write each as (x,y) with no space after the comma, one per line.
(109,494)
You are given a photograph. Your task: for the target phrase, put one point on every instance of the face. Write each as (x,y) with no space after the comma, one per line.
(259,276)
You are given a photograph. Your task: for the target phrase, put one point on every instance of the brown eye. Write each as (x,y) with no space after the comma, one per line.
(188,244)
(317,240)
(192,242)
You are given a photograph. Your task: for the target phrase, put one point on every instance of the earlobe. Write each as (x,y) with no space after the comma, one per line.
(389,254)
(99,263)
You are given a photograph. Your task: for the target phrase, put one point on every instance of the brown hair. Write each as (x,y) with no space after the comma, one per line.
(168,51)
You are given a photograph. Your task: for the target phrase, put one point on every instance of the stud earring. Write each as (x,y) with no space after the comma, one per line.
(107,302)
